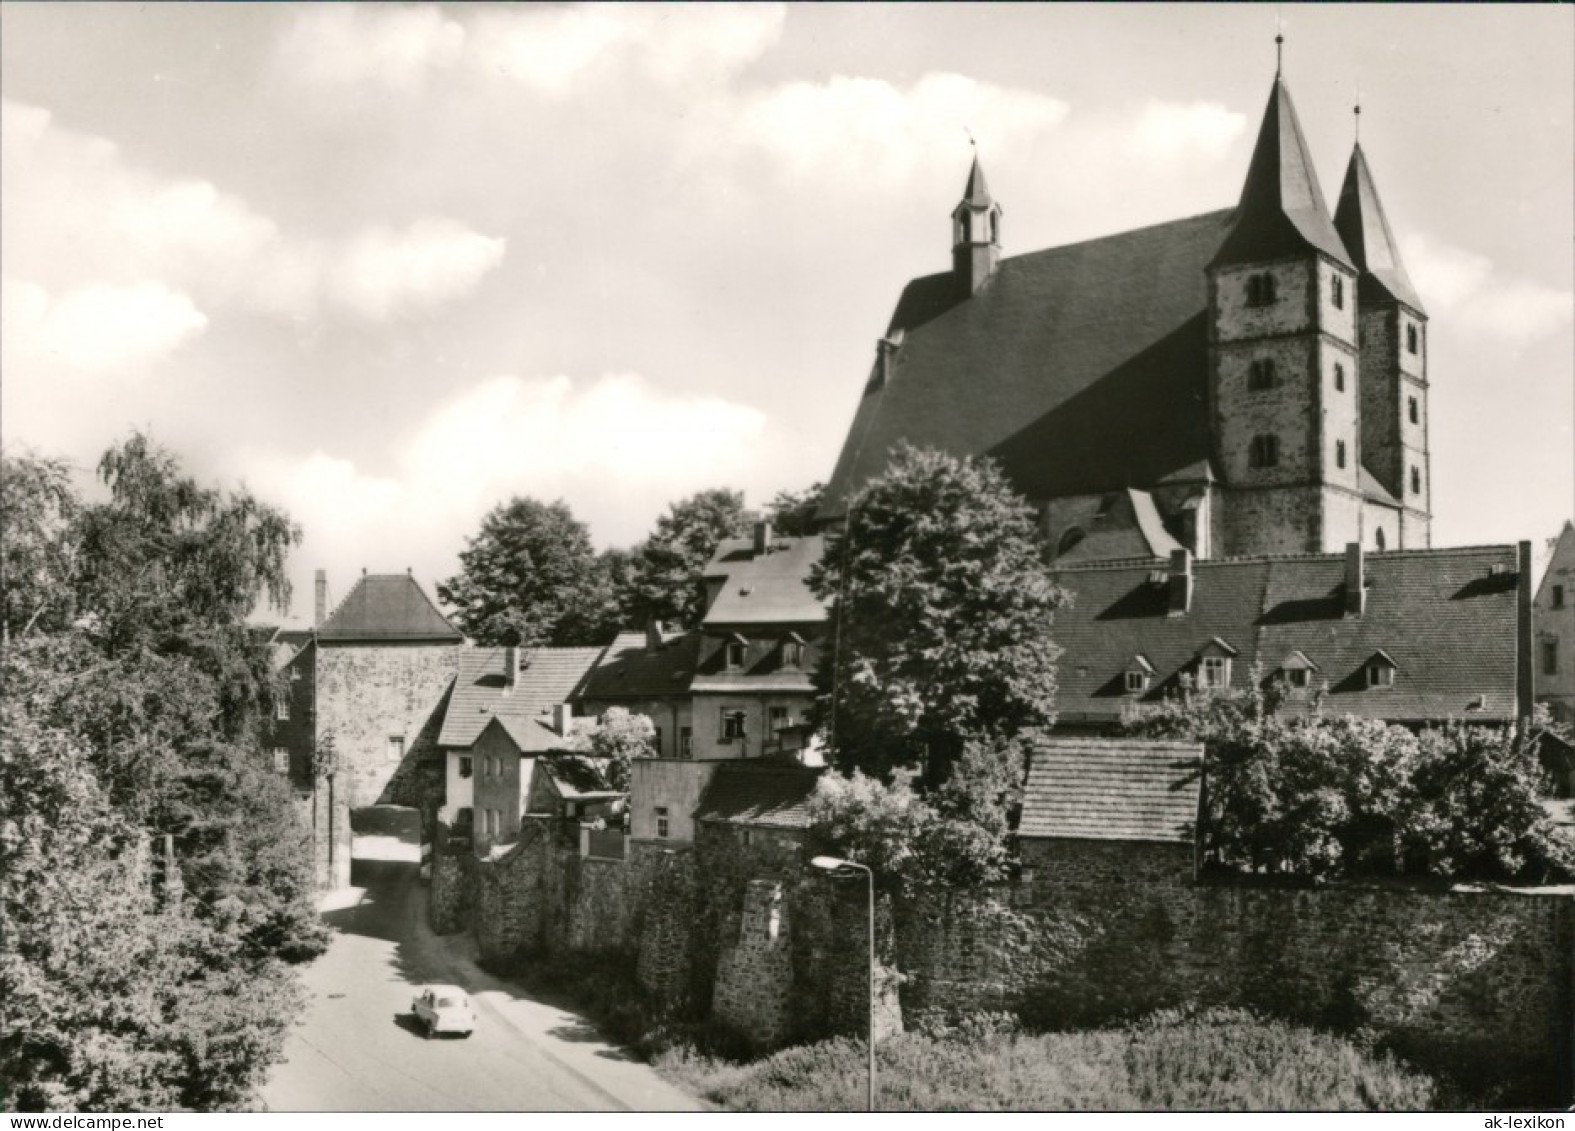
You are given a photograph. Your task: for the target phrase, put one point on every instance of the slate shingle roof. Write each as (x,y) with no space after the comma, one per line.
(1098,789)
(765,589)
(576,776)
(628,669)
(1125,524)
(1083,369)
(551,676)
(391,607)
(1445,617)
(770,794)
(1360,220)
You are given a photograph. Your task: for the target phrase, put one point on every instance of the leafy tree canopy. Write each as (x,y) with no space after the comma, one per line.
(792,513)
(530,577)
(619,737)
(941,612)
(666,583)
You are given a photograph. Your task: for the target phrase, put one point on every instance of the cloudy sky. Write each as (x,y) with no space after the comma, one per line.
(389,265)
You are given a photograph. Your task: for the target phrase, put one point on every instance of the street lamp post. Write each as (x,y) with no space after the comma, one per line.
(839,867)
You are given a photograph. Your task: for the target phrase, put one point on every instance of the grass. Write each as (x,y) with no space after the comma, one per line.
(1221,1060)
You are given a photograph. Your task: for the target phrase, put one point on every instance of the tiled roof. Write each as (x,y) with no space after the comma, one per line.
(1082,369)
(575,775)
(1096,789)
(767,588)
(1281,211)
(1445,616)
(773,794)
(732,682)
(549,676)
(1364,228)
(388,606)
(628,669)
(1125,524)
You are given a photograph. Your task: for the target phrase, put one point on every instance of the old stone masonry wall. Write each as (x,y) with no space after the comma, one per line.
(1089,935)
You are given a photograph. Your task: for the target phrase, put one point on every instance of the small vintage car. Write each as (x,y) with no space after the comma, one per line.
(444,1009)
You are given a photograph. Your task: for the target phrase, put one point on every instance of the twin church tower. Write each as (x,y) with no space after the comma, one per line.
(1251,381)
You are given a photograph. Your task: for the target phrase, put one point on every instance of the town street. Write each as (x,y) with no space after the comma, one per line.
(355,1047)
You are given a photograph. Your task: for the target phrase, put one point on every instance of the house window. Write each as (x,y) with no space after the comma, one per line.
(1339,453)
(1416,482)
(661,822)
(686,737)
(1137,682)
(1412,411)
(792,654)
(1297,677)
(1215,671)
(396,747)
(1412,339)
(1337,293)
(1339,377)
(736,650)
(281,709)
(467,765)
(1550,657)
(779,719)
(1260,290)
(1558,596)
(1261,375)
(1264,451)
(732,725)
(281,760)
(1380,675)
(295,675)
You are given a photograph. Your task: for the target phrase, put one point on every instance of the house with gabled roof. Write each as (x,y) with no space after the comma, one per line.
(1414,637)
(1554,612)
(374,678)
(1249,381)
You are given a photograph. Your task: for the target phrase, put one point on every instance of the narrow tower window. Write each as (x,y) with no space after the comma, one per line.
(1411,339)
(1339,453)
(1339,377)
(1412,411)
(1379,540)
(1261,375)
(1264,452)
(1260,290)
(1337,293)
(1416,482)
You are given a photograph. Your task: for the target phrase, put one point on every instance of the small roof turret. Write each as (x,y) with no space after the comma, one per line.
(1282,210)
(1364,228)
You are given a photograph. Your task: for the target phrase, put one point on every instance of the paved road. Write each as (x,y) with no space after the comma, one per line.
(355,1048)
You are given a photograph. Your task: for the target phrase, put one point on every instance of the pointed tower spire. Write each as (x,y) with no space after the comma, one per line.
(976,232)
(1365,231)
(1282,211)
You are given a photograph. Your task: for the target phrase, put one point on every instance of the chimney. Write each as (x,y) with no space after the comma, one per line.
(762,539)
(561,714)
(1180,582)
(320,609)
(1355,580)
(653,634)
(511,668)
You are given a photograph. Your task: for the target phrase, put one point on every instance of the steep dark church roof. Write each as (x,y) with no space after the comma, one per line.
(1281,212)
(1083,368)
(1364,228)
(388,607)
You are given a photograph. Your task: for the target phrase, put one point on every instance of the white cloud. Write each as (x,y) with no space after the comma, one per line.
(1466,287)
(346,45)
(862,129)
(382,273)
(98,327)
(1169,130)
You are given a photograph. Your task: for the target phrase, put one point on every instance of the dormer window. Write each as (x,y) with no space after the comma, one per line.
(736,652)
(1260,290)
(793,651)
(1381,670)
(1296,670)
(1261,375)
(1214,664)
(1138,675)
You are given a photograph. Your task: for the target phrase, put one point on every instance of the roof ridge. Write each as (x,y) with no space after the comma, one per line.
(1253,559)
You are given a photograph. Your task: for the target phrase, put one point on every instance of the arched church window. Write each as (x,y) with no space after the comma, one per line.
(1070,539)
(1264,451)
(1261,375)
(1260,290)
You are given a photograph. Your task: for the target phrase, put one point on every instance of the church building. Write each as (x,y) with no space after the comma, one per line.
(1250,381)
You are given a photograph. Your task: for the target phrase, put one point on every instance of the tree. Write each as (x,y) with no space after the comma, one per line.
(669,564)
(530,577)
(792,513)
(941,613)
(619,737)
(37,505)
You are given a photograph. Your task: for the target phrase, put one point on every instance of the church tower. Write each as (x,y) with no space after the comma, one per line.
(976,233)
(1393,339)
(1283,359)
